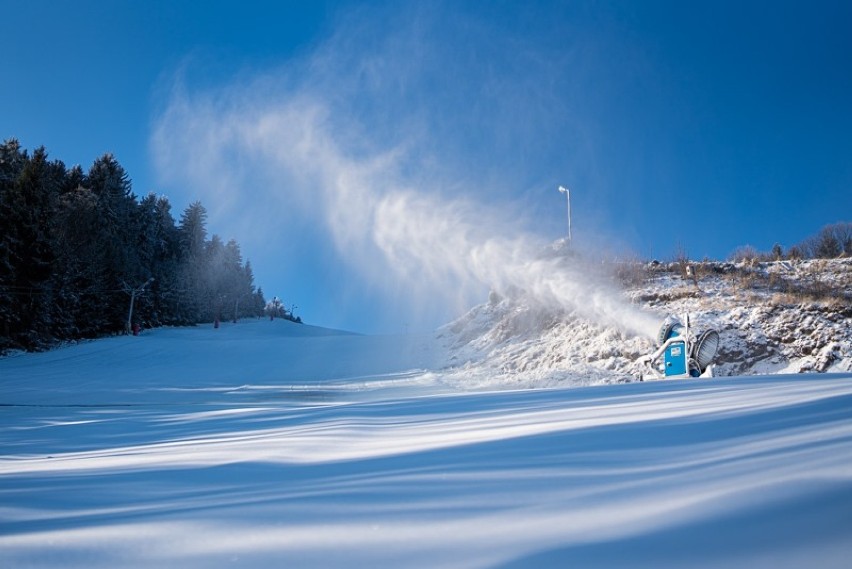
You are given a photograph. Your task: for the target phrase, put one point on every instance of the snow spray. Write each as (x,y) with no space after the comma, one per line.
(299,154)
(447,250)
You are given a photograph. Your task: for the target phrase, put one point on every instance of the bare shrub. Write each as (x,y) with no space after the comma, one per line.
(680,259)
(745,253)
(832,241)
(632,273)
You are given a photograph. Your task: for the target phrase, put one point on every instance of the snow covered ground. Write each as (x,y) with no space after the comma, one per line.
(778,317)
(273,444)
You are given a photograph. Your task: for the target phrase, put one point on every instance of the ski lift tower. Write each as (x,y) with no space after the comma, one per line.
(564,190)
(134,292)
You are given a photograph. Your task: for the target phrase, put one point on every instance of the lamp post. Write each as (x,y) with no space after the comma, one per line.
(567,193)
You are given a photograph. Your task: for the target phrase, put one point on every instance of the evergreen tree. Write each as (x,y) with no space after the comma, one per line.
(74,179)
(159,253)
(214,286)
(193,230)
(777,252)
(82,266)
(12,159)
(192,278)
(237,279)
(73,244)
(258,302)
(117,234)
(253,304)
(28,206)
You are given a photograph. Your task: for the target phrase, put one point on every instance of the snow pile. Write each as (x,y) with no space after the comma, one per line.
(783,317)
(508,343)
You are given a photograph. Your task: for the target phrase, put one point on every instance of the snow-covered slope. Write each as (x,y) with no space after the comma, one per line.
(269,444)
(254,358)
(782,317)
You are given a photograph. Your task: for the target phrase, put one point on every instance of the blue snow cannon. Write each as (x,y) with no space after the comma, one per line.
(680,354)
(672,339)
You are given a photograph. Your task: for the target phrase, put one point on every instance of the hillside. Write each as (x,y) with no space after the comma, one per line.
(776,317)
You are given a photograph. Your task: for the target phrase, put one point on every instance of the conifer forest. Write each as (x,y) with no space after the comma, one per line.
(82,257)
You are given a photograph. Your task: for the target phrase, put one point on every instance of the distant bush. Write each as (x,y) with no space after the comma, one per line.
(744,253)
(777,252)
(831,242)
(632,272)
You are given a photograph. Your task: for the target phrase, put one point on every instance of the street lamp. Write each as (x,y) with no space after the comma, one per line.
(567,193)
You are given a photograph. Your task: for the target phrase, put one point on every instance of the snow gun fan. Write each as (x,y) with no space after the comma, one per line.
(705,349)
(680,354)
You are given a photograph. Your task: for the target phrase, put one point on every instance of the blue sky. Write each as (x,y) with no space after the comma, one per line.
(331,138)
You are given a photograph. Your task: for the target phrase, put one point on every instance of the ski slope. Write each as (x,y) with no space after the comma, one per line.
(272,444)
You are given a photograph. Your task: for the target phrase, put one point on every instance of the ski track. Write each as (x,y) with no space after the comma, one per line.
(104,464)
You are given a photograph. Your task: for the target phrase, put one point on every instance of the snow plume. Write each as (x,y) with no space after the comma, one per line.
(323,147)
(451,247)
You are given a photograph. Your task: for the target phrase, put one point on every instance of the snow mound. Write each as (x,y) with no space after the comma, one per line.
(509,343)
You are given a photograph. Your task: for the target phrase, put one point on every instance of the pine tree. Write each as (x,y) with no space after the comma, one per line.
(253,302)
(117,234)
(82,268)
(192,279)
(72,243)
(777,252)
(29,206)
(193,230)
(12,159)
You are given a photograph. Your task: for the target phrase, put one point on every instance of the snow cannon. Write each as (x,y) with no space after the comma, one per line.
(680,353)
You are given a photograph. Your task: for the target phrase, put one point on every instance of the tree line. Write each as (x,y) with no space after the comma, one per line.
(832,241)
(76,247)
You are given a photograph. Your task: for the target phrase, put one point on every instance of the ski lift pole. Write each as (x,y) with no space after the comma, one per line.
(133,293)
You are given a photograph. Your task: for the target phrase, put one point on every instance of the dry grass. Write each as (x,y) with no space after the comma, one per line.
(632,273)
(669,295)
